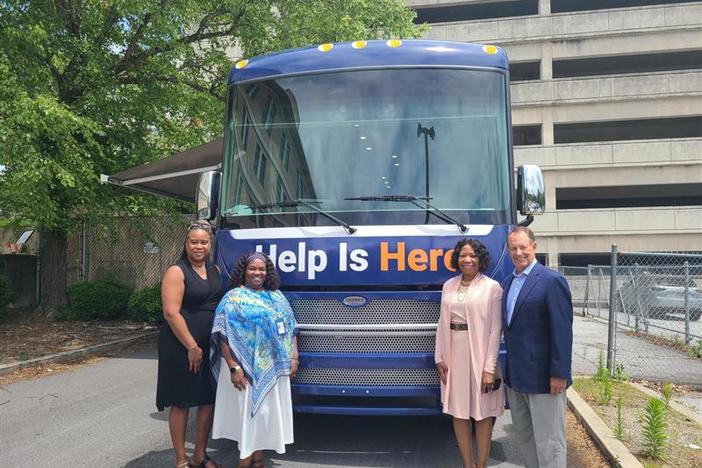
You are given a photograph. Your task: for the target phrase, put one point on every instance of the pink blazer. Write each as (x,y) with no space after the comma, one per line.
(484,304)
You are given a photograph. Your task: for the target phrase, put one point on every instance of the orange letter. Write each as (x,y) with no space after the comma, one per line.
(386,256)
(447,260)
(434,255)
(417,260)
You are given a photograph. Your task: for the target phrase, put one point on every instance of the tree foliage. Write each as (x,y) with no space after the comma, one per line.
(94,87)
(98,86)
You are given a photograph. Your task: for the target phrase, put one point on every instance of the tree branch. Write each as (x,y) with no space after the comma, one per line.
(68,13)
(210,90)
(130,60)
(139,33)
(110,21)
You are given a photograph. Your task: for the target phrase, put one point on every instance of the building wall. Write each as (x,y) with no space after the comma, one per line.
(649,106)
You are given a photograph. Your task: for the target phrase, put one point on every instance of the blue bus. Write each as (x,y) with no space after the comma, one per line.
(356,167)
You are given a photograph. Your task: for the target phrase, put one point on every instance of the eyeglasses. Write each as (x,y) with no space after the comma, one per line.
(204,225)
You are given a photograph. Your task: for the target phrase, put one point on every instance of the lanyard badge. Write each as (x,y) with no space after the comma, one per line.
(281,327)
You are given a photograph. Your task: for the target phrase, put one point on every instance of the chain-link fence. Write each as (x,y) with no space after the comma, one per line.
(578,282)
(136,252)
(655,322)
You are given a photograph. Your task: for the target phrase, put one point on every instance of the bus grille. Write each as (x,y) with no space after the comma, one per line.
(353,377)
(379,311)
(357,343)
(391,326)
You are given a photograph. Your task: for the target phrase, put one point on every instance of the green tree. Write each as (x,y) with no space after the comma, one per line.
(98,86)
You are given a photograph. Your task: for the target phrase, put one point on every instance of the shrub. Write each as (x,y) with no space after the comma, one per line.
(654,429)
(602,371)
(619,424)
(677,342)
(145,305)
(619,373)
(695,350)
(606,391)
(103,299)
(667,392)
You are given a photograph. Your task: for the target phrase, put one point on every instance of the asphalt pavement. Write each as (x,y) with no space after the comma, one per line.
(639,359)
(104,415)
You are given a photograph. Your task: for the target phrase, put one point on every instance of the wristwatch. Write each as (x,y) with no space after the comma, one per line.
(234,368)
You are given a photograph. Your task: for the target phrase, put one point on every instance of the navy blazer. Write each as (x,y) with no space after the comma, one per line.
(539,339)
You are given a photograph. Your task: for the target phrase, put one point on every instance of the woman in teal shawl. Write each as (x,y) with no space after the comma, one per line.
(253,356)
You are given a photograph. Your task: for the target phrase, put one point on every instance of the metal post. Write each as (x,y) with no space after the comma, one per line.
(687,302)
(83,253)
(37,290)
(638,291)
(632,281)
(586,309)
(612,308)
(600,284)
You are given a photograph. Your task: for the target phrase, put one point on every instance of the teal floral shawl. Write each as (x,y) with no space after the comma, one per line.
(259,327)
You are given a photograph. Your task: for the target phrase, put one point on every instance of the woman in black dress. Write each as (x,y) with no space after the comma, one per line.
(190,292)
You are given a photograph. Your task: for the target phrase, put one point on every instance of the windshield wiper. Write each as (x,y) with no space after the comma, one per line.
(309,204)
(420,202)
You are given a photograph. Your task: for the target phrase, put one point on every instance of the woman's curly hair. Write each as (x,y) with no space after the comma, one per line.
(238,274)
(480,250)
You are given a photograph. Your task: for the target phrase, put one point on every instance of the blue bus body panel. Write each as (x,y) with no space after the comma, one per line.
(381,262)
(343,56)
(313,261)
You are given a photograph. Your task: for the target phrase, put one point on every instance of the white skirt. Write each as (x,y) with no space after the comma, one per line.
(270,429)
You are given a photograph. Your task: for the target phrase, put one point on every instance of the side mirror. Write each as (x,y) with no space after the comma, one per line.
(207,195)
(531,196)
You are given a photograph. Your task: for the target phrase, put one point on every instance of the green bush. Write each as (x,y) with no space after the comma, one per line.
(654,429)
(695,350)
(103,299)
(145,305)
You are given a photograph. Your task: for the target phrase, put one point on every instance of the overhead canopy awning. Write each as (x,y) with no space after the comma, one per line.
(175,176)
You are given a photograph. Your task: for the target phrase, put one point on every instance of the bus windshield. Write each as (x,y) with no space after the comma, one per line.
(335,139)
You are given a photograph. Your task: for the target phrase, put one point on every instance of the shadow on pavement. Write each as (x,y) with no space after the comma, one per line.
(358,441)
(224,451)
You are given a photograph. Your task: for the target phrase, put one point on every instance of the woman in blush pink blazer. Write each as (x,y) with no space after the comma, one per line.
(467,347)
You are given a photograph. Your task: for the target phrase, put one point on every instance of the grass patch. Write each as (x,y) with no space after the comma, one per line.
(680,431)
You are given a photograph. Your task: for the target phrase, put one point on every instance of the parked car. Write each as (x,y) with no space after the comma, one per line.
(661,297)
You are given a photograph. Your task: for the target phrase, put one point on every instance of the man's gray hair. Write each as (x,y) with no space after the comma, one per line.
(523,230)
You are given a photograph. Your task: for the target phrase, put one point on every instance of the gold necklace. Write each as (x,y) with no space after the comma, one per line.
(461,294)
(466,283)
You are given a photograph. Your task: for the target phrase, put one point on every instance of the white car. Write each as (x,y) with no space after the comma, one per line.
(658,297)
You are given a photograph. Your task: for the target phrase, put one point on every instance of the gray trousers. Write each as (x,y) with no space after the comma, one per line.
(539,427)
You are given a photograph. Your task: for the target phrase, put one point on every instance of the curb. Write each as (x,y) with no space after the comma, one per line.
(673,405)
(615,451)
(13,366)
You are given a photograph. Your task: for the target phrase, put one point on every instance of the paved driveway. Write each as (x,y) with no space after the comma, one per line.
(641,359)
(103,415)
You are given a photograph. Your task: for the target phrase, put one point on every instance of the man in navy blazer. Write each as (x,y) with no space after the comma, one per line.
(537,314)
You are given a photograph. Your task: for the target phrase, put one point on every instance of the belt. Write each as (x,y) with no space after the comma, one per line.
(459,326)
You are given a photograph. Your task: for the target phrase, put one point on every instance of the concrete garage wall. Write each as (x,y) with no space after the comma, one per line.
(611,154)
(641,86)
(671,94)
(563,26)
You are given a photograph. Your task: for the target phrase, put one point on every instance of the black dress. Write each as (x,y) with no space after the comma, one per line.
(177,386)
